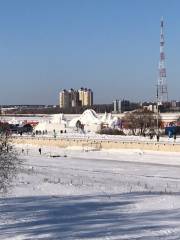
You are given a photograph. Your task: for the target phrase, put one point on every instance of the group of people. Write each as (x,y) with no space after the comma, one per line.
(39,150)
(158,136)
(151,136)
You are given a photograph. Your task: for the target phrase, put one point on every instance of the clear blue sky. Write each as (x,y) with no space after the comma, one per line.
(111,46)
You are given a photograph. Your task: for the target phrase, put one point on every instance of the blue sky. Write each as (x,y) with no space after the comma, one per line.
(111,46)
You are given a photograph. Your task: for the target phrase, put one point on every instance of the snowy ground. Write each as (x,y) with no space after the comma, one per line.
(108,194)
(102,137)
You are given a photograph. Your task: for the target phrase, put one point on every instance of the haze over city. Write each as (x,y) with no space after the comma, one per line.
(111,47)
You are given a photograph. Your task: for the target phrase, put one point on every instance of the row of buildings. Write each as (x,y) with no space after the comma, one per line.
(75,98)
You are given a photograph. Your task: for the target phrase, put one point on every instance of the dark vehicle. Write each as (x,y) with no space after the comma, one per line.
(13,128)
(27,128)
(19,129)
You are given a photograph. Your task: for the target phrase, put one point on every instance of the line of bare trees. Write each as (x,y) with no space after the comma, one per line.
(141,122)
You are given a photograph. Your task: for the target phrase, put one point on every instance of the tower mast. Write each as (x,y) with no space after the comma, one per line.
(162,92)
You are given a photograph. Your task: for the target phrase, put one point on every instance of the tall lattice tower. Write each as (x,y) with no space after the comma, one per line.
(162,92)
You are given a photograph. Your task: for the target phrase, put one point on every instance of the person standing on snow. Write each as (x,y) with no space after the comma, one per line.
(40,151)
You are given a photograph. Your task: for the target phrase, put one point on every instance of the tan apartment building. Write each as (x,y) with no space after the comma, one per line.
(81,96)
(74,98)
(86,97)
(64,99)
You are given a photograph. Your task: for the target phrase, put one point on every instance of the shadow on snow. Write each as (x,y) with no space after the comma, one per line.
(84,217)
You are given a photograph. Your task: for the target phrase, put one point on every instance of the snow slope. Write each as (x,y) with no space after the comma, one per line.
(71,194)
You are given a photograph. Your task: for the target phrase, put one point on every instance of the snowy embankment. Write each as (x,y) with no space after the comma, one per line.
(72,194)
(103,137)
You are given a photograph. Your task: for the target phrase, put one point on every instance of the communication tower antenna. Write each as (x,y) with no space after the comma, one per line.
(162,92)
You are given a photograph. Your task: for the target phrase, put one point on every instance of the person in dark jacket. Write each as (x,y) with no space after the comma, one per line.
(40,151)
(157,137)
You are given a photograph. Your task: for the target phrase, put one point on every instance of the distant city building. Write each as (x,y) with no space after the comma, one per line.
(174,104)
(86,97)
(150,107)
(81,96)
(116,108)
(121,106)
(64,99)
(74,98)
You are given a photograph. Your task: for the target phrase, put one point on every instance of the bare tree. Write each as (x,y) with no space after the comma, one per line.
(9,161)
(140,121)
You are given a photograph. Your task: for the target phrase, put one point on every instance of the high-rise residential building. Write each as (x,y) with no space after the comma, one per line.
(74,98)
(64,99)
(86,97)
(81,96)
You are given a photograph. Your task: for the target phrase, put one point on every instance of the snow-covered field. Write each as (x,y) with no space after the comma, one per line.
(107,194)
(102,137)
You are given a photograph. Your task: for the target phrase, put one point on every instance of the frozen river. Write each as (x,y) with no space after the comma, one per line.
(93,195)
